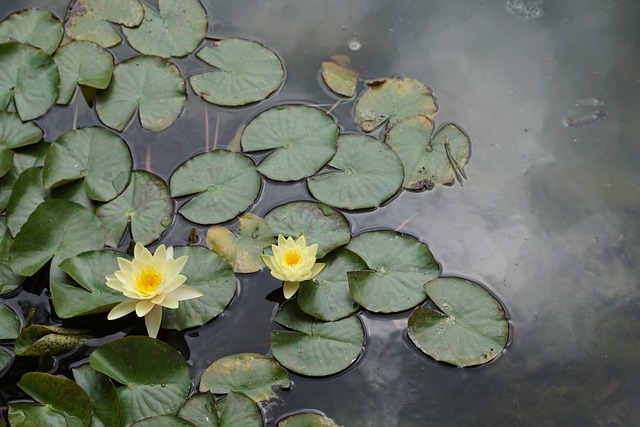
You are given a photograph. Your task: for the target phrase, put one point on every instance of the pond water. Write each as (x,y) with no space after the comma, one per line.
(548,219)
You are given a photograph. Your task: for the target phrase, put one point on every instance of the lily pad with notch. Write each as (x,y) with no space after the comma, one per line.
(468,328)
(303,140)
(23,158)
(90,20)
(247,72)
(14,133)
(35,27)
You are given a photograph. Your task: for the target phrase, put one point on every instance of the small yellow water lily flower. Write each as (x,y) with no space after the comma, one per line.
(151,282)
(292,262)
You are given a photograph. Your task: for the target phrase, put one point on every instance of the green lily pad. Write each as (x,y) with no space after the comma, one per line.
(428,161)
(211,274)
(224,183)
(304,139)
(176,29)
(145,205)
(313,347)
(243,250)
(9,323)
(23,158)
(248,373)
(155,376)
(26,196)
(339,77)
(103,395)
(74,191)
(90,20)
(471,327)
(94,154)
(399,266)
(367,173)
(29,77)
(151,85)
(124,12)
(87,26)
(63,402)
(36,27)
(247,72)
(393,100)
(57,229)
(35,340)
(319,223)
(326,296)
(13,134)
(200,409)
(82,63)
(307,419)
(8,279)
(5,359)
(163,421)
(239,410)
(87,269)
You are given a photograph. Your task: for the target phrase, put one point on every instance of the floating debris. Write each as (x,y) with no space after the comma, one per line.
(590,102)
(592,117)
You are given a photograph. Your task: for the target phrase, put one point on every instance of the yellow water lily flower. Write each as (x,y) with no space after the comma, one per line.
(150,282)
(293,262)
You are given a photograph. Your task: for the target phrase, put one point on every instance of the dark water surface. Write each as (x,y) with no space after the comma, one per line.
(548,220)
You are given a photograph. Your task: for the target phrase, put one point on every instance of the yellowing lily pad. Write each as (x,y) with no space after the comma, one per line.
(243,250)
(339,77)
(35,340)
(36,27)
(247,72)
(429,160)
(468,328)
(393,100)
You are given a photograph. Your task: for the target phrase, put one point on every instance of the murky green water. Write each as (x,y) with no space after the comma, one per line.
(548,219)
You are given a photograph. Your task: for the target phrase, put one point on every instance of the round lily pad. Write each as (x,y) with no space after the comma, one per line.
(399,266)
(242,251)
(30,77)
(145,206)
(339,77)
(469,329)
(307,419)
(313,347)
(90,20)
(103,395)
(82,63)
(209,273)
(304,139)
(155,376)
(366,174)
(9,323)
(13,134)
(319,223)
(175,29)
(224,183)
(99,157)
(393,100)
(125,12)
(248,373)
(247,72)
(428,161)
(327,296)
(36,27)
(151,85)
(26,196)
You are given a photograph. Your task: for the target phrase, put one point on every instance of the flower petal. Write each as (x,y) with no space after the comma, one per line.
(268,261)
(124,264)
(113,282)
(290,288)
(302,242)
(143,307)
(317,268)
(152,321)
(122,309)
(170,301)
(185,292)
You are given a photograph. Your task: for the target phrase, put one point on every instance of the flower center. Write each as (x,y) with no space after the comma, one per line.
(148,281)
(292,258)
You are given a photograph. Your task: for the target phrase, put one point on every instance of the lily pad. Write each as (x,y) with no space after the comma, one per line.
(367,173)
(304,139)
(313,347)
(5,359)
(399,266)
(176,29)
(248,373)
(35,27)
(200,409)
(224,183)
(339,77)
(211,274)
(393,100)
(163,421)
(36,340)
(29,77)
(13,134)
(90,20)
(63,402)
(124,12)
(155,376)
(87,269)
(428,161)
(319,223)
(8,279)
(23,158)
(57,229)
(145,205)
(326,296)
(307,419)
(82,63)
(103,395)
(239,410)
(471,327)
(26,196)
(243,250)
(9,323)
(151,85)
(247,72)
